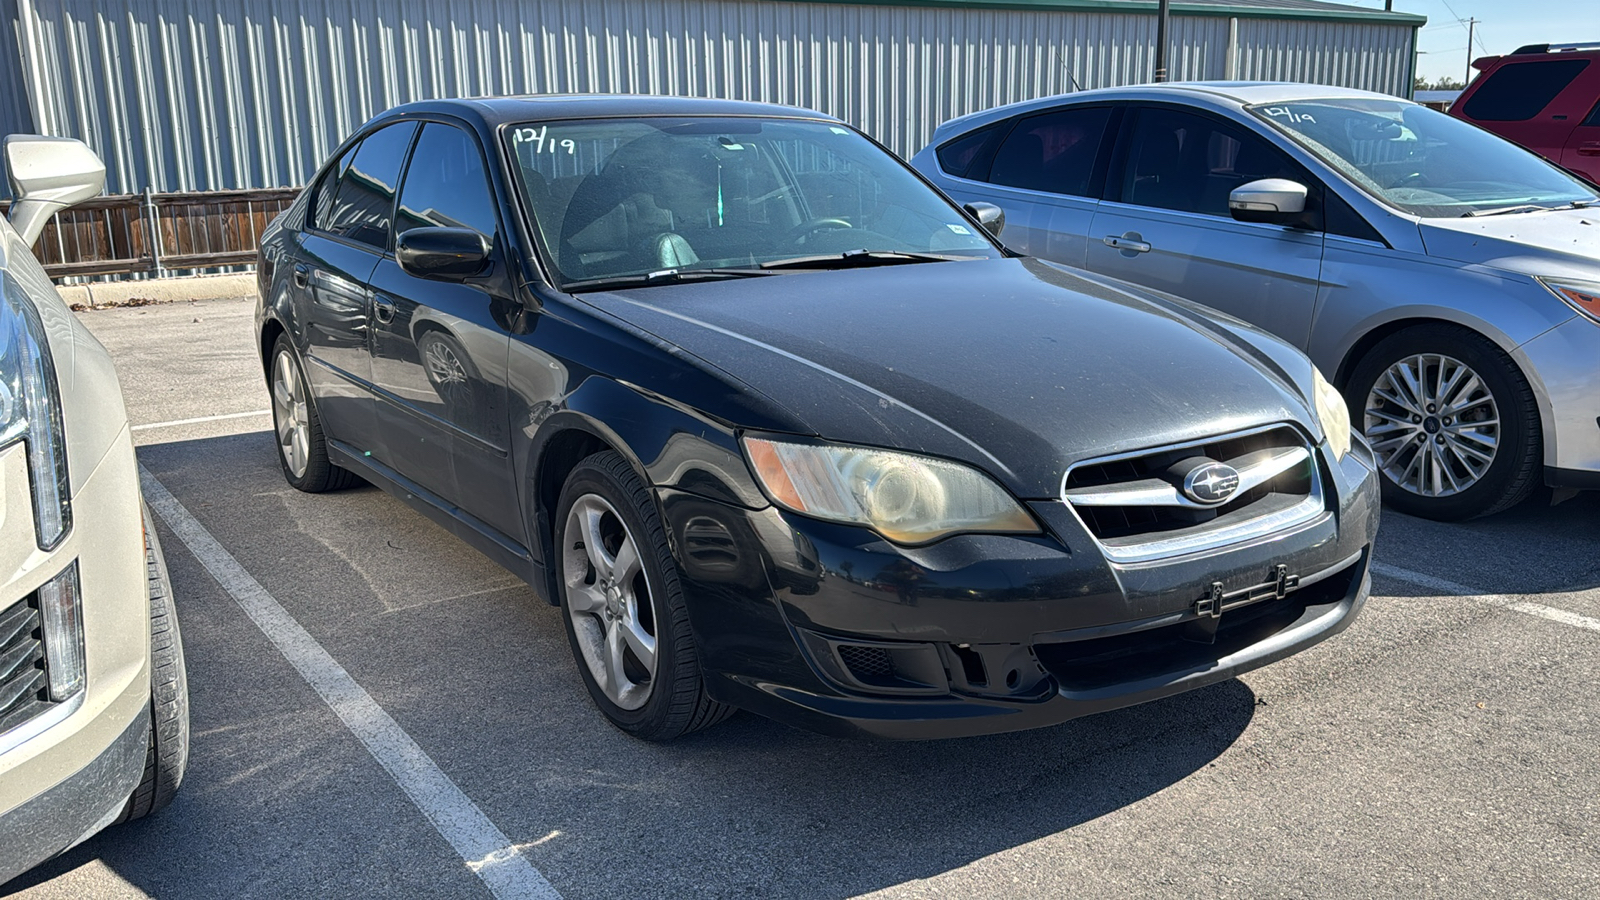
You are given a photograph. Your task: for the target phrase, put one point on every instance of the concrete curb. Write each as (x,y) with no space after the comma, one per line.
(160,290)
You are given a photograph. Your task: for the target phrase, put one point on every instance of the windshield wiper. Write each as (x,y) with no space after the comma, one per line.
(857,259)
(1507,210)
(663,276)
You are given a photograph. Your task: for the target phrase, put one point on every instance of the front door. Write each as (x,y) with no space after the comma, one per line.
(1165,224)
(439,348)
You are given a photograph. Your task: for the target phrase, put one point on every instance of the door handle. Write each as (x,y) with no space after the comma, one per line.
(302,276)
(1591,148)
(383,309)
(1126,242)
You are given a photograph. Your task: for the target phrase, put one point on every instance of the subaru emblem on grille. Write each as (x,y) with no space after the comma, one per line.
(1211,483)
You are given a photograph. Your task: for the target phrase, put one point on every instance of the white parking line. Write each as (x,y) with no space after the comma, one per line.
(174,422)
(482,846)
(1462,590)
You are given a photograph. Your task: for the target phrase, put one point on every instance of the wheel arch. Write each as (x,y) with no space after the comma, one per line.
(1363,345)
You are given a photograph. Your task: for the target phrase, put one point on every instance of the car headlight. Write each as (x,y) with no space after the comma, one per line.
(30,411)
(908,499)
(1583,296)
(1333,413)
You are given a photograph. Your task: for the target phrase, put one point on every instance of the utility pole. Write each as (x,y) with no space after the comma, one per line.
(1467,79)
(1161,42)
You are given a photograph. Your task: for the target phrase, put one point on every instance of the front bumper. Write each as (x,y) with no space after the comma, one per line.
(833,629)
(1563,364)
(64,770)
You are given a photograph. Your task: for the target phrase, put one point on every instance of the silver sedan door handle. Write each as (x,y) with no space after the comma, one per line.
(1126,242)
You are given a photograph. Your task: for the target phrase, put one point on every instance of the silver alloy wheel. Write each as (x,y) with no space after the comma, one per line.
(609,602)
(290,415)
(1433,424)
(443,366)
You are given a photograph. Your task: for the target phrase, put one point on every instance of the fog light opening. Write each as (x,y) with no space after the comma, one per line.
(61,608)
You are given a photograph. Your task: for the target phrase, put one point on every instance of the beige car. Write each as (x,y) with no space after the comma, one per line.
(94,710)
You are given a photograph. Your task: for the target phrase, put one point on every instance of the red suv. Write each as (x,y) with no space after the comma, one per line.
(1545,97)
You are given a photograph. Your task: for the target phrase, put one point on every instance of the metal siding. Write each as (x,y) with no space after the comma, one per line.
(218,94)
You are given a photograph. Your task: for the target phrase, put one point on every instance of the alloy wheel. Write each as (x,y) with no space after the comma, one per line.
(290,415)
(609,602)
(1433,424)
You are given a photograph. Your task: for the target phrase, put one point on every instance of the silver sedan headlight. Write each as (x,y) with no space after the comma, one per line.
(907,498)
(1333,413)
(30,411)
(1583,296)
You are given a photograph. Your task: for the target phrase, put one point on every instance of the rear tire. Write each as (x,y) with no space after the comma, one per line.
(168,755)
(622,594)
(297,427)
(1453,423)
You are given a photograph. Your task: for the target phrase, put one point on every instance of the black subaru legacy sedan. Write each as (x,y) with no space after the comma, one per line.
(782,429)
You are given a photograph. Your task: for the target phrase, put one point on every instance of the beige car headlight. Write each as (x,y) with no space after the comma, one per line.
(907,498)
(1333,413)
(30,411)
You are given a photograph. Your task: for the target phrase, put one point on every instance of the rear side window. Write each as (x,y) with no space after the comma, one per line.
(1520,91)
(445,184)
(956,156)
(1054,152)
(322,199)
(1594,116)
(365,201)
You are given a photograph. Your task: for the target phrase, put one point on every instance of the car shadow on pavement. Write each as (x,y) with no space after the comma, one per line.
(1533,548)
(281,800)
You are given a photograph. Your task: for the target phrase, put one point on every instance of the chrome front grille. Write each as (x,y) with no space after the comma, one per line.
(24,683)
(1138,507)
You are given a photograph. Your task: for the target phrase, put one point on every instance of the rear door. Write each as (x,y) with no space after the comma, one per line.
(440,348)
(1046,174)
(1536,102)
(346,235)
(1165,222)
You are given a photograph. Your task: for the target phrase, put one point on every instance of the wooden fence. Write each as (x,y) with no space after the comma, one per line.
(158,233)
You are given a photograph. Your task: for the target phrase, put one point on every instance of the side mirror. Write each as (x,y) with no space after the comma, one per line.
(1275,201)
(48,174)
(442,254)
(991,217)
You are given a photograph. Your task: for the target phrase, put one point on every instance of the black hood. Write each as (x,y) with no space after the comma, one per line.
(1018,367)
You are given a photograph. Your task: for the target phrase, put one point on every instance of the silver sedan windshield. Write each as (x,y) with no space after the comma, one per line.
(615,198)
(1422,161)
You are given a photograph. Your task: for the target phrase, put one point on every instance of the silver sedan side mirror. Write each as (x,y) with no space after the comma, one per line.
(48,174)
(1277,201)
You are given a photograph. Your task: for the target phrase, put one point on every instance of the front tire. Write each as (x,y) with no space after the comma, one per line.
(625,613)
(1453,423)
(168,755)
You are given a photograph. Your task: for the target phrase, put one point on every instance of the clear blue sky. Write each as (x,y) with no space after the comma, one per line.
(1503,26)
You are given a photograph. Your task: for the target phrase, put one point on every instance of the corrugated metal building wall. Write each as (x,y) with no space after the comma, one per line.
(217,94)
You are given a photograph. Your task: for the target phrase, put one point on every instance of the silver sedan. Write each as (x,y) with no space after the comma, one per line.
(1448,279)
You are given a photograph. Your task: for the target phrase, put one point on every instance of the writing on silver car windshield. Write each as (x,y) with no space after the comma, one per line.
(1422,161)
(618,202)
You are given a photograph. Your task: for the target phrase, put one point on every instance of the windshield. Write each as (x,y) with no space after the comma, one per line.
(621,198)
(1422,161)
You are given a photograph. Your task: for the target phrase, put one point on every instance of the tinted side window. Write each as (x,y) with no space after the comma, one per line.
(1520,91)
(958,154)
(366,191)
(327,188)
(1191,163)
(1054,152)
(1594,116)
(445,184)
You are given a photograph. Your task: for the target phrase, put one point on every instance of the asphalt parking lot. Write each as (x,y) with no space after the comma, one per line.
(1445,746)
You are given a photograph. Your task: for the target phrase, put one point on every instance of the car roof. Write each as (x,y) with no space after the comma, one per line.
(1200,93)
(495,111)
